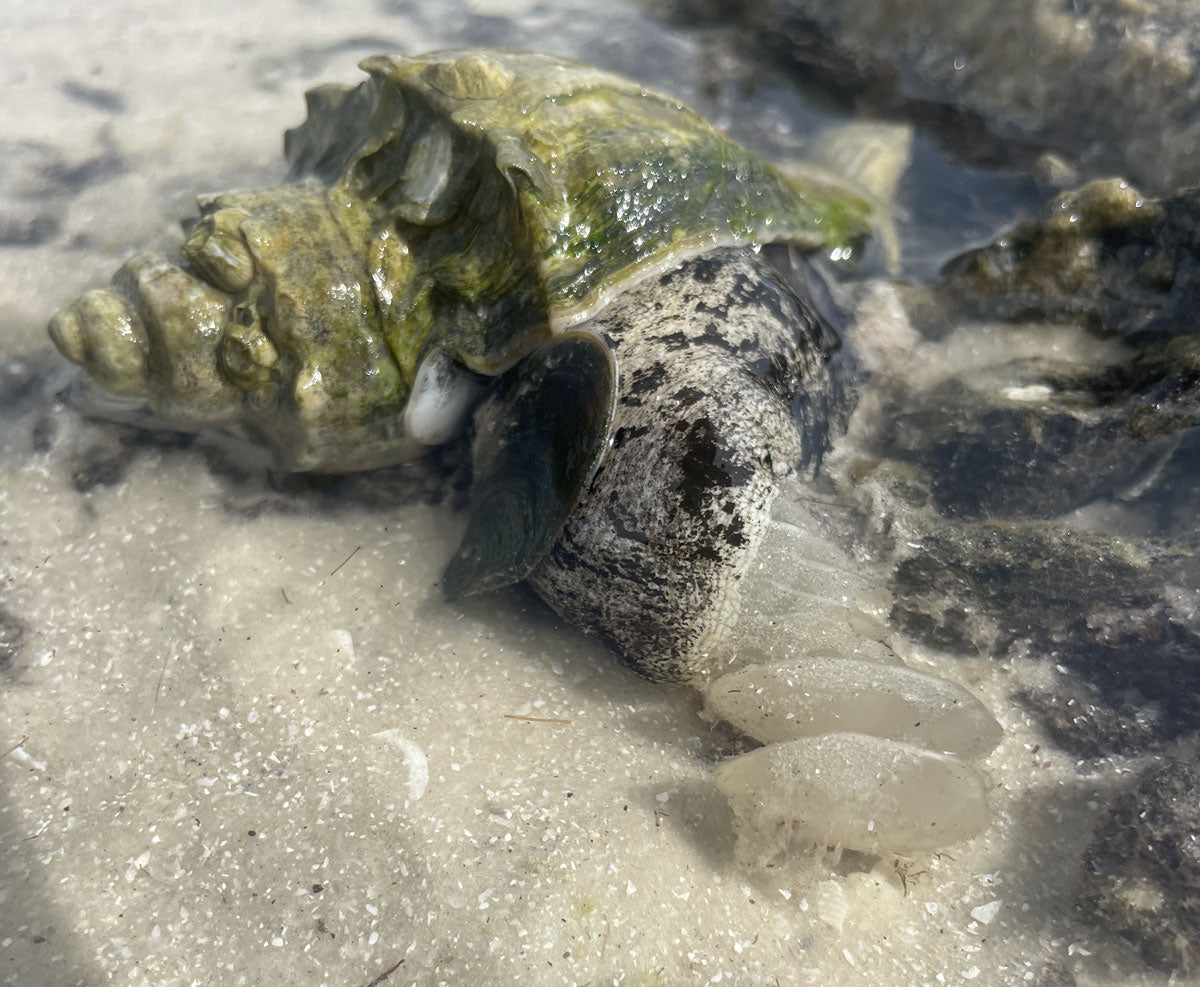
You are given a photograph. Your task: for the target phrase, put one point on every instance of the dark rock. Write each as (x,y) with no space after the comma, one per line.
(1171,503)
(1119,614)
(1141,872)
(1083,724)
(1035,439)
(1103,255)
(1115,83)
(989,455)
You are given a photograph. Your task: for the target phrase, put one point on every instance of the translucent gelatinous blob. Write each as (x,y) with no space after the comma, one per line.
(852,790)
(780,702)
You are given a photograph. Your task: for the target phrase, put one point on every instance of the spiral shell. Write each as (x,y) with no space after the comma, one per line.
(461,209)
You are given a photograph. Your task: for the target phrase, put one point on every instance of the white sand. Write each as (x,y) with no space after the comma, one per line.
(261,750)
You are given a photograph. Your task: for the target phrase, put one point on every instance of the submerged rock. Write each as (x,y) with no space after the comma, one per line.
(1036,470)
(1036,438)
(1141,873)
(1104,254)
(1086,724)
(1120,613)
(1034,483)
(1115,83)
(1041,437)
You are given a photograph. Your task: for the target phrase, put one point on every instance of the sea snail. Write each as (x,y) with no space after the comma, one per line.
(567,263)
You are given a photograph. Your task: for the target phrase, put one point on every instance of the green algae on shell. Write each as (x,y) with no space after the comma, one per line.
(460,209)
(588,181)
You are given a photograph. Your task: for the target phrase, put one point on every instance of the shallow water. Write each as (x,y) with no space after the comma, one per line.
(244,740)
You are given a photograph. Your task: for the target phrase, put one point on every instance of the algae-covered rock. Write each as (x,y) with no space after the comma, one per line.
(1104,254)
(1141,873)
